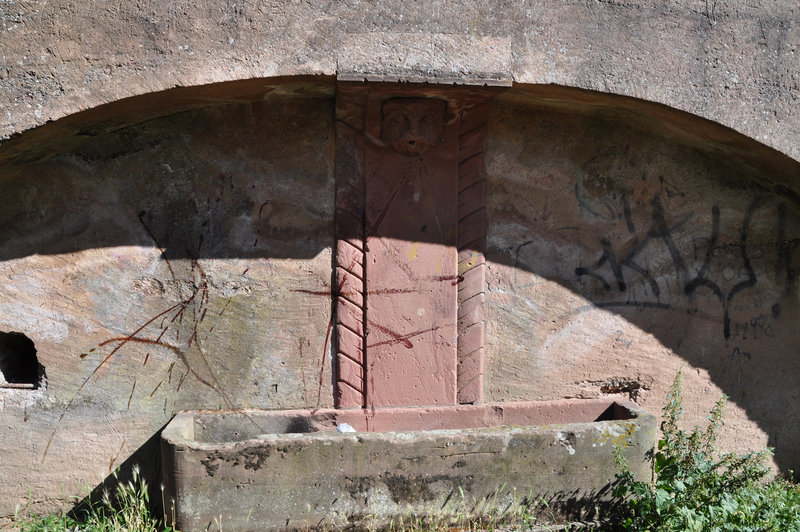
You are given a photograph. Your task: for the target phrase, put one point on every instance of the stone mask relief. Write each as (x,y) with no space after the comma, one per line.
(412,125)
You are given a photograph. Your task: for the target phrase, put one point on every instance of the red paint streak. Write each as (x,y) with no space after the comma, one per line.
(324,351)
(261,209)
(114,458)
(96,369)
(178,353)
(397,336)
(228,302)
(146,358)
(404,337)
(315,292)
(258,228)
(156,388)
(302,370)
(180,382)
(455,278)
(322,361)
(374,229)
(131,395)
(163,331)
(380,292)
(392,291)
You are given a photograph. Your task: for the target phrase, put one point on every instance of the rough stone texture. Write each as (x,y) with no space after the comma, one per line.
(175,263)
(735,62)
(423,57)
(622,246)
(300,473)
(214,206)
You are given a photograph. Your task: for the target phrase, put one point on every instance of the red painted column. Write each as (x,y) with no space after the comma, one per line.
(410,228)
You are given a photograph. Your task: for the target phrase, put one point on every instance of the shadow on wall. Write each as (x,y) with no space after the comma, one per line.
(183,236)
(693,242)
(146,459)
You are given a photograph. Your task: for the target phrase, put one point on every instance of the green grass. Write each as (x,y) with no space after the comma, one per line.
(127,508)
(518,513)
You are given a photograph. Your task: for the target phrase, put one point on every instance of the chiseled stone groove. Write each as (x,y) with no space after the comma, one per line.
(350,270)
(471,262)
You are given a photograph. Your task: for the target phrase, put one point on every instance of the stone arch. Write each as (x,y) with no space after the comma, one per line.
(183,242)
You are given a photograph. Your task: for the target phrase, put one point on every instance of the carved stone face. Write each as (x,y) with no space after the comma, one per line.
(412,125)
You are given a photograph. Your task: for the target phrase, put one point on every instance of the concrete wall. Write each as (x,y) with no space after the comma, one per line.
(625,238)
(735,62)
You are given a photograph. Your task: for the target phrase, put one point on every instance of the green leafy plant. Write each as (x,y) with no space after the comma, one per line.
(696,488)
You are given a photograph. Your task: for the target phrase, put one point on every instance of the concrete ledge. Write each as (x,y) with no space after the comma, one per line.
(305,474)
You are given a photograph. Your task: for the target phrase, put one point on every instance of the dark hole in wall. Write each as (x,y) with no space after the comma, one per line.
(299,425)
(615,412)
(18,363)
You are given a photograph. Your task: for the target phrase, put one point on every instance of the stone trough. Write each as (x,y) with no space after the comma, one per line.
(292,469)
(408,343)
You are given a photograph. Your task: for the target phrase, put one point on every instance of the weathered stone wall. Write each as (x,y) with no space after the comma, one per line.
(622,248)
(625,238)
(161,261)
(181,262)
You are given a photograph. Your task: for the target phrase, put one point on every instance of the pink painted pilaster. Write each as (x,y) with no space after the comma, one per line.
(412,230)
(410,281)
(349,269)
(471,246)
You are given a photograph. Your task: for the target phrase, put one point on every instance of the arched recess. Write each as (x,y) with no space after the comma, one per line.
(174,250)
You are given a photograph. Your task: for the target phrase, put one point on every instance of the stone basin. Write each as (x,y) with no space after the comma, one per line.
(291,469)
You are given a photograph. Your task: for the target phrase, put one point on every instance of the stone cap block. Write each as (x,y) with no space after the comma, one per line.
(425,58)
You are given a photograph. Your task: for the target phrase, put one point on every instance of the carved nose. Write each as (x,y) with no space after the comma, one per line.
(412,144)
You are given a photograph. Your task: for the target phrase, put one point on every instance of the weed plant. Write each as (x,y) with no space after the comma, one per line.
(696,488)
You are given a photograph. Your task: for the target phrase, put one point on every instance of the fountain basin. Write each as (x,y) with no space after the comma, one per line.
(291,469)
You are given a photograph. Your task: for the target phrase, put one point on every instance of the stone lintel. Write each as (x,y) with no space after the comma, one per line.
(425,58)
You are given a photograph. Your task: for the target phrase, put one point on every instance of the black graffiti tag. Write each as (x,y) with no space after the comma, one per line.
(702,280)
(659,230)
